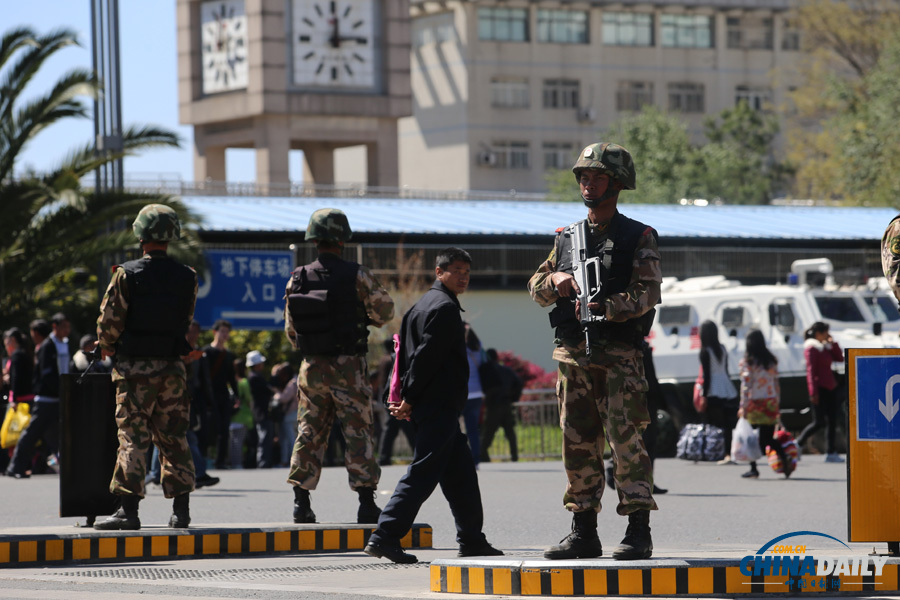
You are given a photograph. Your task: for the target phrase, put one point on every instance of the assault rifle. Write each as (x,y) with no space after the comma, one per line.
(587,275)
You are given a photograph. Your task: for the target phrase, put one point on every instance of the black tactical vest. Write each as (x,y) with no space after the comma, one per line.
(160,297)
(615,276)
(328,315)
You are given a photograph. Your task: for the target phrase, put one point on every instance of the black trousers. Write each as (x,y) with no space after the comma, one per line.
(499,415)
(441,457)
(825,414)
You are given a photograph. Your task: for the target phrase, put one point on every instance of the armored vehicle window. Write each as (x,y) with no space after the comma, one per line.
(883,308)
(782,316)
(837,308)
(674,315)
(733,317)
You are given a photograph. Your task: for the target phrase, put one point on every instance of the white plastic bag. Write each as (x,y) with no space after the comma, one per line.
(745,442)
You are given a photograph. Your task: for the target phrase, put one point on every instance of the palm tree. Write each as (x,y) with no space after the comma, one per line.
(54,234)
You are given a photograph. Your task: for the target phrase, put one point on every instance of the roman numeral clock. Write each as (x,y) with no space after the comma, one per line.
(334,44)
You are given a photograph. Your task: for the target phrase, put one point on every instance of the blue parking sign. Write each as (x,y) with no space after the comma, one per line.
(245,287)
(878,398)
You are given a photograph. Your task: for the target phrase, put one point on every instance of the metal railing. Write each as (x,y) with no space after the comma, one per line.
(538,434)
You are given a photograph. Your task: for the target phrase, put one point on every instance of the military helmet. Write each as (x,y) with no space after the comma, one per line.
(328,225)
(157,223)
(612,159)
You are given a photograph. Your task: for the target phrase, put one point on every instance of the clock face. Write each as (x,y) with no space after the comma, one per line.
(334,43)
(223,40)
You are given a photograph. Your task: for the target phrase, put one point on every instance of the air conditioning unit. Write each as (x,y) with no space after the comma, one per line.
(486,159)
(586,115)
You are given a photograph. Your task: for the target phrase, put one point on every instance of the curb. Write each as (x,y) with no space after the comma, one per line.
(665,577)
(91,546)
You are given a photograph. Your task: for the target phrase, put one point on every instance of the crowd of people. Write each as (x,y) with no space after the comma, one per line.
(183,409)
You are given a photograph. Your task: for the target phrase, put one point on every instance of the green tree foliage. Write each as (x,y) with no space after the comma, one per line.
(869,151)
(843,100)
(734,165)
(57,239)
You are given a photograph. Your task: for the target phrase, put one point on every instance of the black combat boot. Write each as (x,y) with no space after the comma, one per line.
(368,511)
(303,512)
(582,542)
(636,544)
(181,514)
(126,518)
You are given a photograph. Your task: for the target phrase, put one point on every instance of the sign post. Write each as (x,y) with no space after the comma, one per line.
(245,287)
(873,456)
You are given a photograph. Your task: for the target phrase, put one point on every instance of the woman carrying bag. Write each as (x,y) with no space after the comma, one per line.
(760,396)
(721,397)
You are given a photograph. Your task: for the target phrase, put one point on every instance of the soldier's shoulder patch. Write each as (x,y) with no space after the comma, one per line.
(560,229)
(648,231)
(114,267)
(894,245)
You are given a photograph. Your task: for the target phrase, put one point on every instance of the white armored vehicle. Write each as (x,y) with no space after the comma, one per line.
(859,317)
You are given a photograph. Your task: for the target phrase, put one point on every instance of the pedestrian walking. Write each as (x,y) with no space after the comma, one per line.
(434,369)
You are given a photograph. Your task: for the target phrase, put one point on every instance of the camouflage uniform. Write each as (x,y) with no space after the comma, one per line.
(890,255)
(338,386)
(606,392)
(151,402)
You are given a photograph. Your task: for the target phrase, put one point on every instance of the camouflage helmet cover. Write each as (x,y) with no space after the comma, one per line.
(612,159)
(157,223)
(328,225)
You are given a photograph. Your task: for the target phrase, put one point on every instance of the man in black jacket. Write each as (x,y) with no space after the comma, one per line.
(435,372)
(51,361)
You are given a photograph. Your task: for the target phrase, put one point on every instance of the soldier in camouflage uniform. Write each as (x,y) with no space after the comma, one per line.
(604,392)
(144,316)
(890,255)
(329,305)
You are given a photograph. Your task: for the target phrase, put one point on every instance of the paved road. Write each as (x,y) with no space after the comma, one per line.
(710,511)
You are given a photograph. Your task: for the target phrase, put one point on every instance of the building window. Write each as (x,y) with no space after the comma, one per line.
(561,93)
(750,33)
(509,92)
(634,95)
(503,24)
(756,98)
(686,97)
(562,26)
(790,37)
(687,31)
(558,155)
(511,155)
(433,29)
(627,29)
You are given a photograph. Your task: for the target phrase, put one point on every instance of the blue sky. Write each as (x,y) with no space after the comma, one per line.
(149,84)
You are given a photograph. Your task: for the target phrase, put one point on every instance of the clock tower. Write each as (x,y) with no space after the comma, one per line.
(281,75)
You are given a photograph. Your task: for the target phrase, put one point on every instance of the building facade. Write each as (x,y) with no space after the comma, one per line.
(505,90)
(282,75)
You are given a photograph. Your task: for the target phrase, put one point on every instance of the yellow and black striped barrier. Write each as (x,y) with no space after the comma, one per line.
(700,577)
(91,546)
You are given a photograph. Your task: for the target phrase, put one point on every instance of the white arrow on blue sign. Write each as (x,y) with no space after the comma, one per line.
(245,287)
(877,398)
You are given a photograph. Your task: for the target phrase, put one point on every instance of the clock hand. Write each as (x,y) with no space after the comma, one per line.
(335,38)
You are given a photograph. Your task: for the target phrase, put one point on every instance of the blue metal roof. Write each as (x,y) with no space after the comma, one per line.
(512,217)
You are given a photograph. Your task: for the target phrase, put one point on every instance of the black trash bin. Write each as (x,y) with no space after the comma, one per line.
(88,444)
